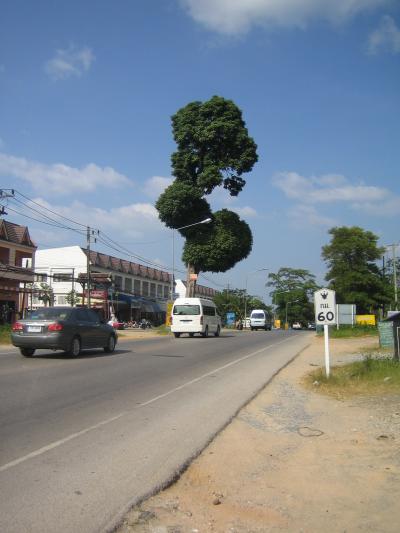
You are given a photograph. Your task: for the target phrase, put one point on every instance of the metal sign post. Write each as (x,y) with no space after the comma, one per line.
(325,314)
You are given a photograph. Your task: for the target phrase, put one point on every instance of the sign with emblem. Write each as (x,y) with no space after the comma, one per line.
(325,307)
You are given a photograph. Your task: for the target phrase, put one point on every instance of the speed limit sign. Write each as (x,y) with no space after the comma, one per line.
(325,307)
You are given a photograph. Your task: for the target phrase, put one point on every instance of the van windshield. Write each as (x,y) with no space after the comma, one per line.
(186,310)
(258,315)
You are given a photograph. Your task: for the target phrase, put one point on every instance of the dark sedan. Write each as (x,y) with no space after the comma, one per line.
(62,328)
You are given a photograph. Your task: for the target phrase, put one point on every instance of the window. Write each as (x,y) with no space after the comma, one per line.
(152,289)
(159,291)
(128,284)
(208,310)
(118,282)
(50,313)
(62,276)
(186,310)
(145,288)
(61,300)
(166,291)
(41,278)
(136,286)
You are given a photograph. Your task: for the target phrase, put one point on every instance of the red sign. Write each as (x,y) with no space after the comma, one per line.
(100,295)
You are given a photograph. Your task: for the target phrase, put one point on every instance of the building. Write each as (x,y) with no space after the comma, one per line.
(17,258)
(128,290)
(200,290)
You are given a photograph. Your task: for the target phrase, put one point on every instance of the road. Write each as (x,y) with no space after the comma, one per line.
(84,439)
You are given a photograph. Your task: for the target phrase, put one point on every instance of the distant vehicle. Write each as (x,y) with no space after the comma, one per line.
(62,328)
(311,325)
(116,324)
(296,325)
(260,320)
(195,315)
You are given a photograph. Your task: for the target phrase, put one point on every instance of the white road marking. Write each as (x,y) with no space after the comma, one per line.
(57,443)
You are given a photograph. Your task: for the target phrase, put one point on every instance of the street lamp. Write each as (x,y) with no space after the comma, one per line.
(205,221)
(245,291)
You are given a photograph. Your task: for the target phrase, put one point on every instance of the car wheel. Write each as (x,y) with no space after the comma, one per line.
(177,335)
(27,352)
(252,329)
(217,332)
(191,334)
(110,344)
(75,348)
(205,334)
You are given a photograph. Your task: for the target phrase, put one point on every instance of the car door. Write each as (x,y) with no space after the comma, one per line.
(98,333)
(84,327)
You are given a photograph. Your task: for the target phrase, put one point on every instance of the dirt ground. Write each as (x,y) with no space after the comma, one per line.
(292,460)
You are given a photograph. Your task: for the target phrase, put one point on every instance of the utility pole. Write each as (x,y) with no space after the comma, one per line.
(394,274)
(88,264)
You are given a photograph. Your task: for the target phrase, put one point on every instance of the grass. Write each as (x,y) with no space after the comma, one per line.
(163,330)
(5,331)
(345,332)
(371,376)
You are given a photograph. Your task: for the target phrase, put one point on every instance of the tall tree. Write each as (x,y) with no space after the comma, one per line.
(213,149)
(292,294)
(353,272)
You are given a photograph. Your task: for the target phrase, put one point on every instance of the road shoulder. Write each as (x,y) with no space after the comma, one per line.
(291,460)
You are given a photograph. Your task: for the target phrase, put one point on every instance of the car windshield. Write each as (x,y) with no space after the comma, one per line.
(49,313)
(187,310)
(257,315)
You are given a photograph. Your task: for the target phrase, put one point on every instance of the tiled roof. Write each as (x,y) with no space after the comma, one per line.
(15,233)
(121,265)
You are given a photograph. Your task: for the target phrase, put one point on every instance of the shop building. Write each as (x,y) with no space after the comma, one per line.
(118,287)
(17,258)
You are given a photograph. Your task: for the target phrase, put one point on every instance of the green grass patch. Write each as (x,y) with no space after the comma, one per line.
(163,330)
(346,332)
(5,331)
(360,378)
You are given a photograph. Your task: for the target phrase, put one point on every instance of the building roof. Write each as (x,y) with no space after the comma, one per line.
(202,290)
(126,267)
(15,233)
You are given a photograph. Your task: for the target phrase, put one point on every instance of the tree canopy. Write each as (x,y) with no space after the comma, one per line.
(232,301)
(353,272)
(293,290)
(213,149)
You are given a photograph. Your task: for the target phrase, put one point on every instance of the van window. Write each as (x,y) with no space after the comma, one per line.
(257,315)
(186,310)
(208,310)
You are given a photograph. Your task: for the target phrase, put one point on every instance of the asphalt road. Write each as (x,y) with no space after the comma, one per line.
(81,440)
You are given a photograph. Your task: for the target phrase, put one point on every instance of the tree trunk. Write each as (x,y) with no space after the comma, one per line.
(191,280)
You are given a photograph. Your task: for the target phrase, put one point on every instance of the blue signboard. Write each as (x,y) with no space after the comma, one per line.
(230,319)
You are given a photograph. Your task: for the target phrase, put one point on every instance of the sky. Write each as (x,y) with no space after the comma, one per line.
(88,88)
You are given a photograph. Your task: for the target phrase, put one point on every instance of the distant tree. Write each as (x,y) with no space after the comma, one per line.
(293,290)
(46,294)
(213,149)
(72,298)
(353,272)
(232,301)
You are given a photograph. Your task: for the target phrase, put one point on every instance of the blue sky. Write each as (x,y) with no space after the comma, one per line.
(88,89)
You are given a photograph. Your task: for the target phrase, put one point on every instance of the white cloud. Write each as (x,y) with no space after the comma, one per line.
(59,178)
(386,37)
(306,215)
(156,185)
(69,62)
(139,220)
(388,208)
(326,189)
(238,16)
(245,212)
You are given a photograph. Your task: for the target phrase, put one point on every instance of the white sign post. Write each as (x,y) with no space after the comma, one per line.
(325,314)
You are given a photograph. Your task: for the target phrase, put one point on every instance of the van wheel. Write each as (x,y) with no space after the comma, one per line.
(177,335)
(205,334)
(27,352)
(217,332)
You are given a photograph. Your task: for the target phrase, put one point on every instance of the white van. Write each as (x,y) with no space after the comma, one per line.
(195,315)
(259,320)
